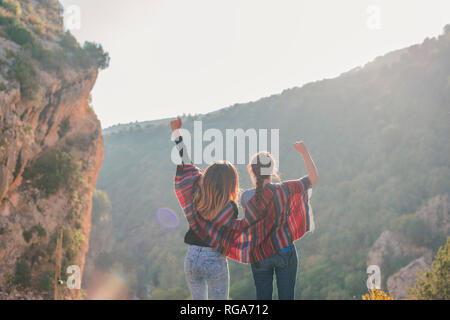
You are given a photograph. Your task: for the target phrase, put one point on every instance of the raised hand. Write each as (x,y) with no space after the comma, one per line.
(310,166)
(176,124)
(300,147)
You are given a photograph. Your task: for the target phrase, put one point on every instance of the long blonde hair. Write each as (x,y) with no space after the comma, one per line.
(217,187)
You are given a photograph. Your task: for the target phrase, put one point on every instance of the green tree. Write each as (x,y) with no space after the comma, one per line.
(434,284)
(97,54)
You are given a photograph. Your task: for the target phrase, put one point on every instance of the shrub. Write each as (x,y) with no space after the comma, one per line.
(95,51)
(91,55)
(64,127)
(23,71)
(54,170)
(9,54)
(6,17)
(46,283)
(73,239)
(27,235)
(22,275)
(20,34)
(40,231)
(50,60)
(69,42)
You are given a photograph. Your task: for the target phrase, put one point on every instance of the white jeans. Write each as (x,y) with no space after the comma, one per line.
(206,274)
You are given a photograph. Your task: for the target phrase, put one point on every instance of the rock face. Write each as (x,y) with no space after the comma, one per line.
(51,150)
(406,277)
(391,246)
(393,249)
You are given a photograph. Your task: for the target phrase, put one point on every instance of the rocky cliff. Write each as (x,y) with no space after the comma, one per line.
(51,148)
(410,245)
(406,277)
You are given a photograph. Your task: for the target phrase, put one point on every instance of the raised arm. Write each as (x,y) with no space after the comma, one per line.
(310,166)
(176,126)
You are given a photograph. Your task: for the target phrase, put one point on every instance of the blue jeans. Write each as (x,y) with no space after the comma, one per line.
(284,263)
(206,274)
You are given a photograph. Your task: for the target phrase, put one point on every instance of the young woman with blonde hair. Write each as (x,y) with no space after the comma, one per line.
(205,195)
(284,261)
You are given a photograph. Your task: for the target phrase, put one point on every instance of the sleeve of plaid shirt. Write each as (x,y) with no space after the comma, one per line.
(299,186)
(298,196)
(186,176)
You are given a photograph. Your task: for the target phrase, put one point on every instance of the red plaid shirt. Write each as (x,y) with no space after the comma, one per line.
(283,216)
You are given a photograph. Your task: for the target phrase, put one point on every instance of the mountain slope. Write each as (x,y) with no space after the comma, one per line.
(378,134)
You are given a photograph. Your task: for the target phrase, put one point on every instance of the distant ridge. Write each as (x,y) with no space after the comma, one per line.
(126,126)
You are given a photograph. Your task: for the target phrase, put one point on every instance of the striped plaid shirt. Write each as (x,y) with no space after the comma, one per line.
(283,216)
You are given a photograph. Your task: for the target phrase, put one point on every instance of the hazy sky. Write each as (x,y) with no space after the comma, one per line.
(195,56)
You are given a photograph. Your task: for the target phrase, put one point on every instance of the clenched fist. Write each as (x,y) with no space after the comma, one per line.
(300,147)
(176,124)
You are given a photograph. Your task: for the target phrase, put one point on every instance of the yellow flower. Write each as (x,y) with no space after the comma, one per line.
(376,294)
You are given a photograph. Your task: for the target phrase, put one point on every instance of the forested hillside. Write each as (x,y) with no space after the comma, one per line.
(378,134)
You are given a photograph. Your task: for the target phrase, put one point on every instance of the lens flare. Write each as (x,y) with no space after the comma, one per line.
(166,218)
(108,286)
